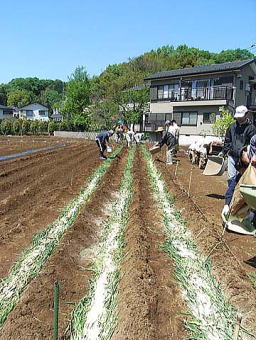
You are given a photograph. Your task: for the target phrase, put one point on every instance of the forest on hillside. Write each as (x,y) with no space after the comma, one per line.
(96,102)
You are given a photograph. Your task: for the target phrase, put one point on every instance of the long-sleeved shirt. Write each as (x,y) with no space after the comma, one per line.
(103,137)
(169,139)
(237,137)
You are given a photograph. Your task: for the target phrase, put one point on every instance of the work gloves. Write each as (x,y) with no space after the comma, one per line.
(225,210)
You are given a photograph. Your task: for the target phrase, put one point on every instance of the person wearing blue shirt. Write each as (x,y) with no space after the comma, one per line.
(102,141)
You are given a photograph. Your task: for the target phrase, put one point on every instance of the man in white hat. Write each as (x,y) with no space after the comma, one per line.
(238,136)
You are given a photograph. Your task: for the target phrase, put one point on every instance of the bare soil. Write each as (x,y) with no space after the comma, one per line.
(149,302)
(33,191)
(14,144)
(70,265)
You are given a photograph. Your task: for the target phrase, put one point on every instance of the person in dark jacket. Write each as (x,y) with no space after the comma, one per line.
(247,156)
(238,136)
(170,141)
(102,140)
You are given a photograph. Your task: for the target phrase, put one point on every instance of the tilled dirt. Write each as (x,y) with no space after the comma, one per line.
(149,302)
(13,144)
(34,189)
(233,255)
(70,265)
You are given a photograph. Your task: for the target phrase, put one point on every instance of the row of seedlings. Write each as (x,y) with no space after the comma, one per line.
(95,316)
(212,317)
(33,258)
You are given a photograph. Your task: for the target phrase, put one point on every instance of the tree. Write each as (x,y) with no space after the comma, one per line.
(221,125)
(104,115)
(133,103)
(6,127)
(3,94)
(77,94)
(52,126)
(20,98)
(25,126)
(49,97)
(17,127)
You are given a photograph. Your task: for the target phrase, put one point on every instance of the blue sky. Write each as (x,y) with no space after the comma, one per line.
(49,38)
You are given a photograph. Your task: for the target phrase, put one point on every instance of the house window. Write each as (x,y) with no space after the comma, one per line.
(41,112)
(209,117)
(29,113)
(241,84)
(166,91)
(189,118)
(160,92)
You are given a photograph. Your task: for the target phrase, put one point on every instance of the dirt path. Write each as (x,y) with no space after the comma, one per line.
(232,254)
(34,196)
(33,316)
(149,303)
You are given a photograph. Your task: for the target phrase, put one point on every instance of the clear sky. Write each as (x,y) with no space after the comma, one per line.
(50,38)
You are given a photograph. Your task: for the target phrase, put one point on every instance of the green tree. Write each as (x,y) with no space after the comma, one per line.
(77,94)
(104,115)
(133,103)
(20,98)
(221,125)
(52,126)
(17,127)
(6,127)
(34,127)
(25,126)
(3,94)
(49,97)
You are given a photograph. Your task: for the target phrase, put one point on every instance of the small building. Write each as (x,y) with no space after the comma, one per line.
(34,111)
(6,112)
(57,116)
(193,96)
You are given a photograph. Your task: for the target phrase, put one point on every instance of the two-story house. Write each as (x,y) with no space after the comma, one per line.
(193,96)
(34,111)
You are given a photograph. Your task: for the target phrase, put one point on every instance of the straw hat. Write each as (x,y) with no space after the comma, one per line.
(160,129)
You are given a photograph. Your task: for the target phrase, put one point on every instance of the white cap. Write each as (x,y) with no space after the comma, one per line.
(240,111)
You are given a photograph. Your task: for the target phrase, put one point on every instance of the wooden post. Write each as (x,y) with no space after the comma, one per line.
(237,326)
(176,169)
(189,185)
(56,311)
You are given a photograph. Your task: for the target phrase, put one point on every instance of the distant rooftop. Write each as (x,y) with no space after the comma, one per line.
(234,65)
(5,107)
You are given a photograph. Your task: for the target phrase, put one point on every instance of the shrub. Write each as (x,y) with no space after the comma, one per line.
(52,126)
(219,128)
(16,127)
(6,127)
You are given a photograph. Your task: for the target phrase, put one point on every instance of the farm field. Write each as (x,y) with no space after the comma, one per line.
(149,295)
(12,144)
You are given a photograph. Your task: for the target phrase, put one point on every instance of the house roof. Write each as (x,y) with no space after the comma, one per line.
(56,115)
(5,107)
(234,65)
(29,105)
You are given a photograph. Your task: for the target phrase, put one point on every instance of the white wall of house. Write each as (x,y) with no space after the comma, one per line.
(201,126)
(34,112)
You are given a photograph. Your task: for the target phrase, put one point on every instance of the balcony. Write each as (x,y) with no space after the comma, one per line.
(197,94)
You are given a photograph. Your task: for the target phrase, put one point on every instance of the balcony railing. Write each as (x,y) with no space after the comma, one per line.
(199,93)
